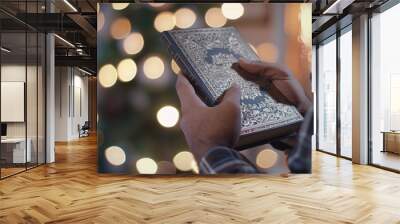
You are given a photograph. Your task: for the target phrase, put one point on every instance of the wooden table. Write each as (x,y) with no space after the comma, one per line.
(391,141)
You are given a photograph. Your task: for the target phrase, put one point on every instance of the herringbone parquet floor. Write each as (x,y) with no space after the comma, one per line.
(71,191)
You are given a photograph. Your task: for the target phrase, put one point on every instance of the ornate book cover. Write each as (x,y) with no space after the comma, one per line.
(205,56)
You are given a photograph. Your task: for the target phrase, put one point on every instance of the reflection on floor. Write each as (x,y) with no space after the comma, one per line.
(71,191)
(387,159)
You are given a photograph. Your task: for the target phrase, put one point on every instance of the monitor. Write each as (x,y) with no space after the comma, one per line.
(3,129)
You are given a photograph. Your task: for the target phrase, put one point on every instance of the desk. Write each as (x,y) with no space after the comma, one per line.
(391,141)
(13,150)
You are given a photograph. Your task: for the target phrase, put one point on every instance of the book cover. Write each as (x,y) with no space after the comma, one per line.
(205,56)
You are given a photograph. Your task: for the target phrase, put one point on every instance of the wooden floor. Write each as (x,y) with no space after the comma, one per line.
(70,191)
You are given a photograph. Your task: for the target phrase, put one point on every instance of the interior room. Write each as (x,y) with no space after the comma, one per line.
(51,88)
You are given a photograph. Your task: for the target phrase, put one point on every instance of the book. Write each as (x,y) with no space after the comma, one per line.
(205,57)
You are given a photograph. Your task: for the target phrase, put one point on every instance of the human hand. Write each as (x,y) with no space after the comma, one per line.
(279,82)
(206,127)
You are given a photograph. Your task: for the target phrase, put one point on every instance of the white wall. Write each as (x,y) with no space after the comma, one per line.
(71,94)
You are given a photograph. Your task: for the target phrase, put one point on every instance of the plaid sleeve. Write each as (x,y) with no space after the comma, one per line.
(225,160)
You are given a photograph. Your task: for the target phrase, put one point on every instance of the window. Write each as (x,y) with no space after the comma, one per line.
(385,89)
(327,96)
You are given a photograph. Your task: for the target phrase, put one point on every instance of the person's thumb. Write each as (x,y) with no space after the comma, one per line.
(232,95)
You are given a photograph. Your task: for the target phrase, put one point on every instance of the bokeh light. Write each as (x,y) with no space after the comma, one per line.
(266,158)
(156,5)
(120,28)
(153,67)
(133,43)
(214,18)
(195,167)
(119,6)
(126,70)
(175,67)
(107,75)
(100,21)
(232,10)
(146,166)
(185,18)
(268,52)
(168,116)
(164,21)
(166,167)
(115,155)
(183,161)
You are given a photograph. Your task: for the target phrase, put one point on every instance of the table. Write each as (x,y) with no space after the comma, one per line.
(391,141)
(13,150)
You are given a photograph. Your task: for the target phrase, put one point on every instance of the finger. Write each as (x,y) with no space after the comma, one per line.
(232,96)
(266,71)
(254,68)
(187,95)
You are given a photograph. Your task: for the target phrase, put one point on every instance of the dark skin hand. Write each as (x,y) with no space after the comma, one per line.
(206,127)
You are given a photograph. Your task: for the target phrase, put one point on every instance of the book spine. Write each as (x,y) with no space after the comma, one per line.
(187,70)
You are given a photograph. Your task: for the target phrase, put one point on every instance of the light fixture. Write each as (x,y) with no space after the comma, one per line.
(5,50)
(64,40)
(70,5)
(84,71)
(337,7)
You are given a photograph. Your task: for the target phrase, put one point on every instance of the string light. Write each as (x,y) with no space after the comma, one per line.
(164,21)
(146,166)
(214,18)
(156,5)
(183,161)
(108,75)
(126,70)
(168,116)
(266,158)
(175,67)
(232,10)
(120,28)
(115,155)
(133,43)
(185,18)
(153,67)
(119,6)
(268,52)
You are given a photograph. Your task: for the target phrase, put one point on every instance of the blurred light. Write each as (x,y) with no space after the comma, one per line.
(268,52)
(168,116)
(305,16)
(108,75)
(175,67)
(120,28)
(70,5)
(153,67)
(165,167)
(100,21)
(119,6)
(164,21)
(183,161)
(266,158)
(195,167)
(115,155)
(214,18)
(126,70)
(185,18)
(157,4)
(146,166)
(64,40)
(253,48)
(133,43)
(232,10)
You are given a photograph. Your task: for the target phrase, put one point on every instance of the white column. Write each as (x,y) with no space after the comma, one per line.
(360,90)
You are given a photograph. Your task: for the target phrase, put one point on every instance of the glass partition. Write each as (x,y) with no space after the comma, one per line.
(385,89)
(327,96)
